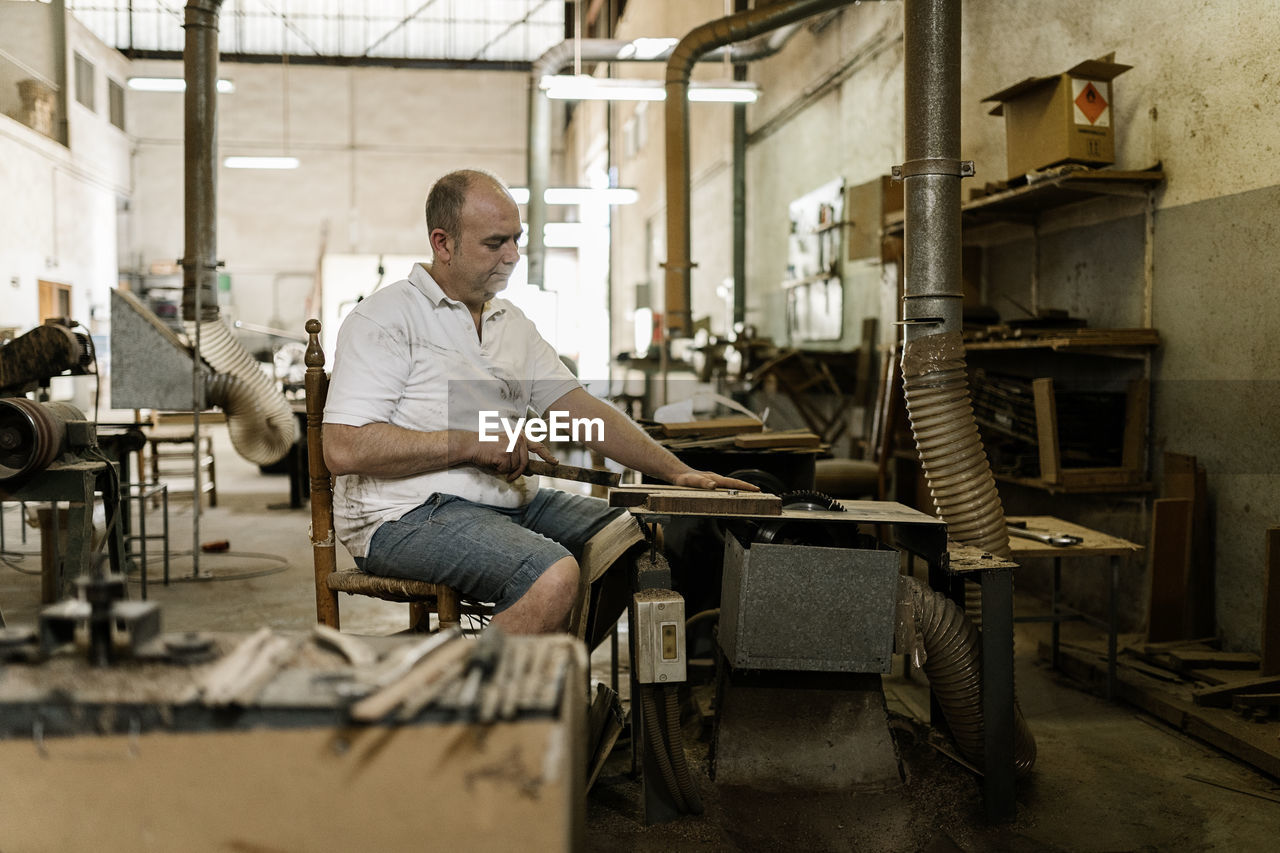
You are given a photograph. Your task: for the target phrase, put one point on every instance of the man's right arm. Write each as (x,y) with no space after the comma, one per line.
(384,450)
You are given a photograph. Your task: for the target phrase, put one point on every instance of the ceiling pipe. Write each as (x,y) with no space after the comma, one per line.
(200,149)
(562,56)
(693,47)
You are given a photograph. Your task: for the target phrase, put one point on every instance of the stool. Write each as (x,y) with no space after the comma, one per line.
(172,449)
(143,492)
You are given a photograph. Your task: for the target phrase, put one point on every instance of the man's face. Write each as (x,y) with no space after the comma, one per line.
(485,253)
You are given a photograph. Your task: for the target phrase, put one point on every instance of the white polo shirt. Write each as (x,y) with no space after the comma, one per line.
(409,356)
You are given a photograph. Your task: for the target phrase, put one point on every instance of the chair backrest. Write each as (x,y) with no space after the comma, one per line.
(323,543)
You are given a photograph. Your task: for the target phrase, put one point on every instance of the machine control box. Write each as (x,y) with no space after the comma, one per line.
(658,625)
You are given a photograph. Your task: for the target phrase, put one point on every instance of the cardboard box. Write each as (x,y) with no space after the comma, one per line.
(1062,118)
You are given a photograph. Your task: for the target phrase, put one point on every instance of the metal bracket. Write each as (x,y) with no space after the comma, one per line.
(933,166)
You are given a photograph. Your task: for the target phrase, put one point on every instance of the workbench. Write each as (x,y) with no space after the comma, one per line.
(128,757)
(74,482)
(1092,544)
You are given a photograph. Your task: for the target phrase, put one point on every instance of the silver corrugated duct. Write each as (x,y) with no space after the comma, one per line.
(694,46)
(563,55)
(259,420)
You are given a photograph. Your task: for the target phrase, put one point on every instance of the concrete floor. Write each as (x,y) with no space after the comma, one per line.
(1108,778)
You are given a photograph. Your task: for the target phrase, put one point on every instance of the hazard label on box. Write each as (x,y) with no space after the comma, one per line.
(1090,106)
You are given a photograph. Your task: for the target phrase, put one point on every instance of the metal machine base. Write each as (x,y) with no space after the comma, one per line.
(804,731)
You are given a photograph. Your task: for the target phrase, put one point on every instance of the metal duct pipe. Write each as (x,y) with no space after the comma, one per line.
(200,150)
(691,48)
(561,56)
(935,383)
(952,661)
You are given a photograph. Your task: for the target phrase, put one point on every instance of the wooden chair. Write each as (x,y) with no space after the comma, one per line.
(329,579)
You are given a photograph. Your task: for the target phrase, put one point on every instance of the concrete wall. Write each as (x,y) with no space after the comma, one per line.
(1198,100)
(370,141)
(59,218)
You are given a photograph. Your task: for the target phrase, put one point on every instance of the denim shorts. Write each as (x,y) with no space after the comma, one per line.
(487,553)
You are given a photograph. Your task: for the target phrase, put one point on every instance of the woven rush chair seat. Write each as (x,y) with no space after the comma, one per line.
(356,582)
(329,580)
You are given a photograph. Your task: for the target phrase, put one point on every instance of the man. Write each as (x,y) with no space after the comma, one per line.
(419,494)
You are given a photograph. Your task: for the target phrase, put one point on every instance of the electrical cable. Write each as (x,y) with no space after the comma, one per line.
(284,564)
(680,762)
(93,358)
(5,557)
(657,745)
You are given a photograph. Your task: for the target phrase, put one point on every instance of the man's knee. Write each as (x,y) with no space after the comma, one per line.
(563,579)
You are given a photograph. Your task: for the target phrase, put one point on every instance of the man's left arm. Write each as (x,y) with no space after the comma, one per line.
(623,441)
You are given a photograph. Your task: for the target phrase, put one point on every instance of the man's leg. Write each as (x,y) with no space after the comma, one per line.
(484,554)
(545,608)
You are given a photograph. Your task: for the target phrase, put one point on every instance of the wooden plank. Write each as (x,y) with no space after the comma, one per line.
(596,476)
(777,439)
(1047,430)
(1184,477)
(1220,696)
(1221,728)
(1170,556)
(1087,478)
(702,501)
(1271,605)
(1137,404)
(712,427)
(1194,658)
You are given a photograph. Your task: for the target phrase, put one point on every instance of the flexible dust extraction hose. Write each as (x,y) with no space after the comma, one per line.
(936,389)
(261,424)
(952,662)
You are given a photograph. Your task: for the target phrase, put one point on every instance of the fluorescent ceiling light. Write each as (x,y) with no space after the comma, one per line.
(564,235)
(579,195)
(172,84)
(645,49)
(261,162)
(569,87)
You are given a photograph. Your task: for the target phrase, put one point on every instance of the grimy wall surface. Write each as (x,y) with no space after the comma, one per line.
(1199,100)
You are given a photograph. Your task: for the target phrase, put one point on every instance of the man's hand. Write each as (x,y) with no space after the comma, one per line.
(710,480)
(492,456)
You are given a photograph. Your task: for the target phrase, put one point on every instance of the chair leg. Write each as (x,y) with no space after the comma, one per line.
(448,608)
(213,477)
(419,617)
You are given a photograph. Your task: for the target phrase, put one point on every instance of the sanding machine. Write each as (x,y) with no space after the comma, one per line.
(810,613)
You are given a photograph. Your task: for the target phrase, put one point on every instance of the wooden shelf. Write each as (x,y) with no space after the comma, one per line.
(1073,488)
(1090,339)
(1025,203)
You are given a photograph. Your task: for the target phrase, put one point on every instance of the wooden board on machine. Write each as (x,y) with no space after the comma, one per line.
(712,428)
(702,501)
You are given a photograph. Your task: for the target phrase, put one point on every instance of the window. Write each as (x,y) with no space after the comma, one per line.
(84,81)
(115,103)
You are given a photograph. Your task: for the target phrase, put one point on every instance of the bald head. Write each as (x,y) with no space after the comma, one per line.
(448,195)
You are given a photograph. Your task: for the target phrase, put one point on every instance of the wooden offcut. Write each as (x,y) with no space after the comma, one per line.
(777,440)
(1271,605)
(712,427)
(1184,477)
(696,501)
(594,476)
(1170,561)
